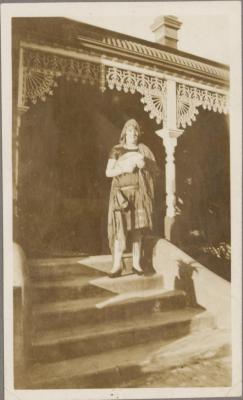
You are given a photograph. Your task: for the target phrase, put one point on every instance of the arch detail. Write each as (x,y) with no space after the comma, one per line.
(190,98)
(41,70)
(152,89)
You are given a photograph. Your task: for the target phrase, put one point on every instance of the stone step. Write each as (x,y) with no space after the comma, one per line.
(105,370)
(83,340)
(85,266)
(57,271)
(50,290)
(109,369)
(62,289)
(94,310)
(130,283)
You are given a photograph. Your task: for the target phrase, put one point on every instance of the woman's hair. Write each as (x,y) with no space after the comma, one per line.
(130,122)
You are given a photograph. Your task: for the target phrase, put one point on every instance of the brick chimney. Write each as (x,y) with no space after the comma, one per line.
(166,29)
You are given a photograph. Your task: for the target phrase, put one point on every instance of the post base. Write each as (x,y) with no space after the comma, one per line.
(168,225)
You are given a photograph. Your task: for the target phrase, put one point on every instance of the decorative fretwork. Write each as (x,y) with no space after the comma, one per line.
(38,85)
(41,70)
(152,89)
(102,78)
(190,98)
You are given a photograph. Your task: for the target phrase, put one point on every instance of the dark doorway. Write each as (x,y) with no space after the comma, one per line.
(203,191)
(65,144)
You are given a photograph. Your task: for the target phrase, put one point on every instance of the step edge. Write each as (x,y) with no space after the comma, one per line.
(60,377)
(112,331)
(166,295)
(92,281)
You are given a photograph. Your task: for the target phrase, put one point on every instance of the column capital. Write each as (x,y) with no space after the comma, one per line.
(167,133)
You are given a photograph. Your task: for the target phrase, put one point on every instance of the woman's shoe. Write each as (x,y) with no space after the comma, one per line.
(137,271)
(115,274)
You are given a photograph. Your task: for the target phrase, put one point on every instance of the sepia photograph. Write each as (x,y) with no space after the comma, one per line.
(122,199)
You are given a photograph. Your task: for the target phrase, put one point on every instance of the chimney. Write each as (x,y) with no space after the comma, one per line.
(165,29)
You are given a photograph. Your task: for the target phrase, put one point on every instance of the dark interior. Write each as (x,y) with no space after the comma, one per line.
(202,227)
(203,176)
(64,193)
(65,145)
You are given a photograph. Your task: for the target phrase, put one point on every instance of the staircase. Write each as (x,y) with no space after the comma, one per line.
(86,330)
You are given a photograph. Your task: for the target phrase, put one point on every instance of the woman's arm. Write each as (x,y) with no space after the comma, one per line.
(115,169)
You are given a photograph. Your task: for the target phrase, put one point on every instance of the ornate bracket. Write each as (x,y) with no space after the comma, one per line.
(37,84)
(41,70)
(152,89)
(190,98)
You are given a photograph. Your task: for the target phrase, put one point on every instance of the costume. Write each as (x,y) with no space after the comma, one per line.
(132,195)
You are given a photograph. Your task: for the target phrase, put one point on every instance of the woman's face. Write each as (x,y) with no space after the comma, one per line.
(131,135)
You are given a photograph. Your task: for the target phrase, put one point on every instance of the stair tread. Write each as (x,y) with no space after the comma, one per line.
(56,272)
(81,259)
(84,304)
(69,305)
(76,281)
(96,265)
(64,335)
(92,364)
(127,277)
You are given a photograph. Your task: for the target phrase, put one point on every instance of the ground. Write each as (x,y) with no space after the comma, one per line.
(198,360)
(204,373)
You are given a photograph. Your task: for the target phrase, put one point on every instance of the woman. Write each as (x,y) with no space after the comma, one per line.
(133,168)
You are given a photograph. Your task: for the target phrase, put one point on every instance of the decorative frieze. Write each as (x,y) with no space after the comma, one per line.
(190,98)
(102,81)
(152,89)
(41,70)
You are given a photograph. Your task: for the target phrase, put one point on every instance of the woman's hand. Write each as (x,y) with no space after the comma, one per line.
(140,163)
(128,168)
(114,168)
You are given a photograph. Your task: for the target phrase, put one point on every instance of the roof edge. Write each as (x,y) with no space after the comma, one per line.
(99,30)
